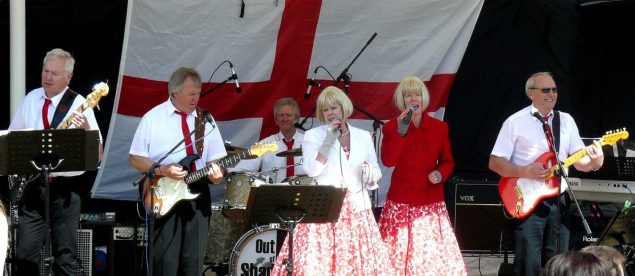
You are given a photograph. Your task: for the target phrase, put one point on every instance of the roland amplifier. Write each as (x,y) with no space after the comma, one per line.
(478,216)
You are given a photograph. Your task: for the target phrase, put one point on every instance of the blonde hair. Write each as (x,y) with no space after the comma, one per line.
(333,96)
(411,84)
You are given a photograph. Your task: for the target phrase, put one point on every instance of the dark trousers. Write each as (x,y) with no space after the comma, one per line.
(180,238)
(535,236)
(65,207)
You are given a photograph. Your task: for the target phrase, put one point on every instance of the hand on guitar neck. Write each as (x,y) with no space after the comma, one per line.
(177,171)
(521,192)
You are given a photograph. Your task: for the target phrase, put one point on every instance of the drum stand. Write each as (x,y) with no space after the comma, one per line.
(274,171)
(292,205)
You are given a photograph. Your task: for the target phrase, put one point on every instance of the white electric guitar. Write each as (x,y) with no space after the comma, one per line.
(168,191)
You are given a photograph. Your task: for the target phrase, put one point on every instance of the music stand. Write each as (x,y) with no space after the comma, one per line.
(292,205)
(44,152)
(620,230)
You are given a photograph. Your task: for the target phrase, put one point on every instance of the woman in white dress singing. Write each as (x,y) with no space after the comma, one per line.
(341,155)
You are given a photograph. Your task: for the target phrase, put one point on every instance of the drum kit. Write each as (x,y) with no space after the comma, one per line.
(234,246)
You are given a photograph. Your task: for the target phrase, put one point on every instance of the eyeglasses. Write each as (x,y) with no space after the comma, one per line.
(546,90)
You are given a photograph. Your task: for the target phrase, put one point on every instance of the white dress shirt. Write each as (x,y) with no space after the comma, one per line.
(338,170)
(160,130)
(522,139)
(29,115)
(271,165)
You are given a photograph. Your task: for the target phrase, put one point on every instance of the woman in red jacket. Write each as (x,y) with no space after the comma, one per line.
(414,222)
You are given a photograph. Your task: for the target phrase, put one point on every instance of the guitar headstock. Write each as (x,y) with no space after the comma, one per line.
(99,90)
(611,137)
(261,149)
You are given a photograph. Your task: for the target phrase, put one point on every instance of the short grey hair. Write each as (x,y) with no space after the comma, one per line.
(69,63)
(175,85)
(286,101)
(531,81)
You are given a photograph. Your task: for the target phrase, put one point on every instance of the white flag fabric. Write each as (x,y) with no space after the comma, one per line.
(275,47)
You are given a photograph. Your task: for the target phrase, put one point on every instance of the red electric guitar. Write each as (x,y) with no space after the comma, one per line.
(521,195)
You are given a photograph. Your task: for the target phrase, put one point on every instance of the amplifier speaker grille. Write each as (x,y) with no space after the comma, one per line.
(478,216)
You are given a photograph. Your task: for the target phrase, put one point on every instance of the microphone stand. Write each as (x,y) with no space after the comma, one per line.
(343,76)
(149,174)
(231,78)
(558,173)
(344,73)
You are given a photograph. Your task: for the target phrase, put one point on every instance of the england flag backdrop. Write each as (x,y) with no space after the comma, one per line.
(275,47)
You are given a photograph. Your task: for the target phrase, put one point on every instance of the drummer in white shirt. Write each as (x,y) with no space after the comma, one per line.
(286,113)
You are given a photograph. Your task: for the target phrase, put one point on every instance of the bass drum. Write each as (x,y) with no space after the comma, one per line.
(256,251)
(222,235)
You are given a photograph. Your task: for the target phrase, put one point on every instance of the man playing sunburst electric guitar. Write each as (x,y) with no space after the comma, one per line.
(178,249)
(516,157)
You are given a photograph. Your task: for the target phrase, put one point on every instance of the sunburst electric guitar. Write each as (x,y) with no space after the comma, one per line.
(18,183)
(168,191)
(521,195)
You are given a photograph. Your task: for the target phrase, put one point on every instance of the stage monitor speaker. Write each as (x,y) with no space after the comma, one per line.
(478,216)
(84,265)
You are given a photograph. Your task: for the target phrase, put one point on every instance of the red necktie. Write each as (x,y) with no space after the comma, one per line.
(189,148)
(549,133)
(45,113)
(289,158)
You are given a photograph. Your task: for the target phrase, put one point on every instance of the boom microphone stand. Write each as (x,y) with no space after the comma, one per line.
(233,77)
(342,76)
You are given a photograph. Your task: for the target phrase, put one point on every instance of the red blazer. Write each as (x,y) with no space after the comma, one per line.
(414,156)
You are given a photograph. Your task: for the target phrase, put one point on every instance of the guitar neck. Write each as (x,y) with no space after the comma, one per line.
(569,161)
(224,162)
(233,159)
(67,123)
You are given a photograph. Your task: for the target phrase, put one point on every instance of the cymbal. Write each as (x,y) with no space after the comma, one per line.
(291,152)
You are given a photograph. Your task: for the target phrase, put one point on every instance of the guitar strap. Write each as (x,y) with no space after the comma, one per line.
(199,124)
(556,129)
(63,107)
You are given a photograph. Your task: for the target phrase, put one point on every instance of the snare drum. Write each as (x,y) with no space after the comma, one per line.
(237,192)
(300,180)
(256,251)
(222,235)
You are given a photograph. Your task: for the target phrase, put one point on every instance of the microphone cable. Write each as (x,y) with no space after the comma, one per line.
(217,67)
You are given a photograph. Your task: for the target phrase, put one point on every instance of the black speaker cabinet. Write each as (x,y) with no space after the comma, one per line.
(84,253)
(478,216)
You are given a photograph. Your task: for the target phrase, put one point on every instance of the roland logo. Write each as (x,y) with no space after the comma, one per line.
(468,198)
(589,239)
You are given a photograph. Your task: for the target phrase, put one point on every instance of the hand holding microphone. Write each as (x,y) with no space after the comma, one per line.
(332,131)
(404,122)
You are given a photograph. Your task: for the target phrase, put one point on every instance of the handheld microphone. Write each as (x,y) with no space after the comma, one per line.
(234,77)
(311,84)
(539,117)
(408,117)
